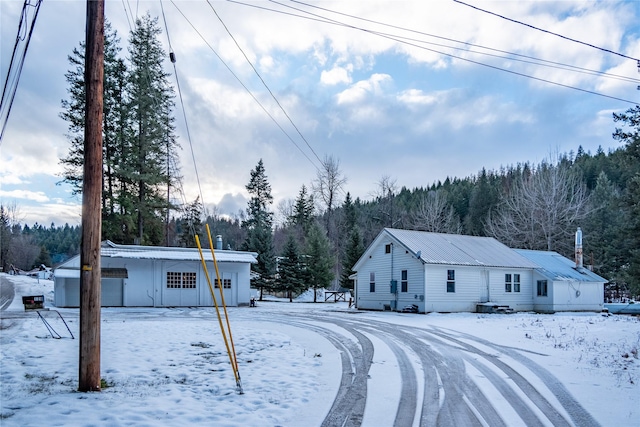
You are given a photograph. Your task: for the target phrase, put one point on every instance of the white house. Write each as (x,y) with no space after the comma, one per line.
(455,273)
(150,276)
(561,285)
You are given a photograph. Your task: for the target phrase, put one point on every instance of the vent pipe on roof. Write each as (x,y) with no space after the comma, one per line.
(579,249)
(218,242)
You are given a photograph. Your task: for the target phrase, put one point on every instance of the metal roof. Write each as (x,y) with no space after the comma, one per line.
(456,249)
(556,267)
(113,250)
(109,249)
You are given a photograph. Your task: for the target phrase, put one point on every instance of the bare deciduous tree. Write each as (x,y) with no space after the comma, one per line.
(436,215)
(542,211)
(328,183)
(385,196)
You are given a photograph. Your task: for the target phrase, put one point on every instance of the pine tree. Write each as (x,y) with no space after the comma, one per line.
(303,210)
(354,251)
(6,237)
(191,223)
(631,196)
(153,142)
(319,260)
(291,274)
(74,111)
(258,225)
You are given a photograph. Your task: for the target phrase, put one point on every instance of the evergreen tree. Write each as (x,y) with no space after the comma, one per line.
(602,228)
(5,238)
(354,251)
(319,260)
(191,224)
(258,225)
(44,258)
(303,210)
(631,197)
(153,142)
(114,124)
(291,270)
(484,196)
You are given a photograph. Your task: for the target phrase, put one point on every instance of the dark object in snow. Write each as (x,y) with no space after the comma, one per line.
(36,303)
(252,302)
(412,308)
(488,307)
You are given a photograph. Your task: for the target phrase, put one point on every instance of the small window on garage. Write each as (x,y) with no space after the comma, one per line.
(451,280)
(387,248)
(178,280)
(174,280)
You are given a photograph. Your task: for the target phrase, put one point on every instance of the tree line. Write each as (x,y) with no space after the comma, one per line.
(312,241)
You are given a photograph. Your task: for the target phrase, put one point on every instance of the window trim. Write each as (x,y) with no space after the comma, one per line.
(508,282)
(404,282)
(372,282)
(451,281)
(542,288)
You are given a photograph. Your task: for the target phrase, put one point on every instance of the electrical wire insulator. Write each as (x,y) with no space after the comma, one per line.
(172,57)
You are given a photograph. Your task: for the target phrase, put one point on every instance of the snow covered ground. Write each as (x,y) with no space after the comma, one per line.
(169,366)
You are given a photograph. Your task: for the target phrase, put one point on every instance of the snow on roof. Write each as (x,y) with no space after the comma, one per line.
(557,267)
(193,255)
(457,249)
(109,249)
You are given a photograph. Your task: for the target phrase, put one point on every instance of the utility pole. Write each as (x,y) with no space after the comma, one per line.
(89,369)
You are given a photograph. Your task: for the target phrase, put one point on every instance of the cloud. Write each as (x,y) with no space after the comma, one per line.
(230,204)
(337,75)
(36,196)
(380,106)
(363,89)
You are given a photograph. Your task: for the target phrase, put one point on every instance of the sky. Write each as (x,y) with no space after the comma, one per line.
(397,90)
(169,366)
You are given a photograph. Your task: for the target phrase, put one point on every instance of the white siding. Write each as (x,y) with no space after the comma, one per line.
(519,301)
(139,289)
(146,284)
(387,267)
(576,296)
(467,289)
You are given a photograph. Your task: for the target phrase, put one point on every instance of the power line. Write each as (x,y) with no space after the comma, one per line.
(243,85)
(547,31)
(172,57)
(264,83)
(540,61)
(13,74)
(399,40)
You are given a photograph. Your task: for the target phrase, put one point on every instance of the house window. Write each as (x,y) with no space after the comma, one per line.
(372,282)
(507,282)
(184,280)
(387,248)
(516,283)
(404,283)
(451,280)
(542,288)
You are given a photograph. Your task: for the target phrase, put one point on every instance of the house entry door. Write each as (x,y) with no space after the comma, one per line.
(485,295)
